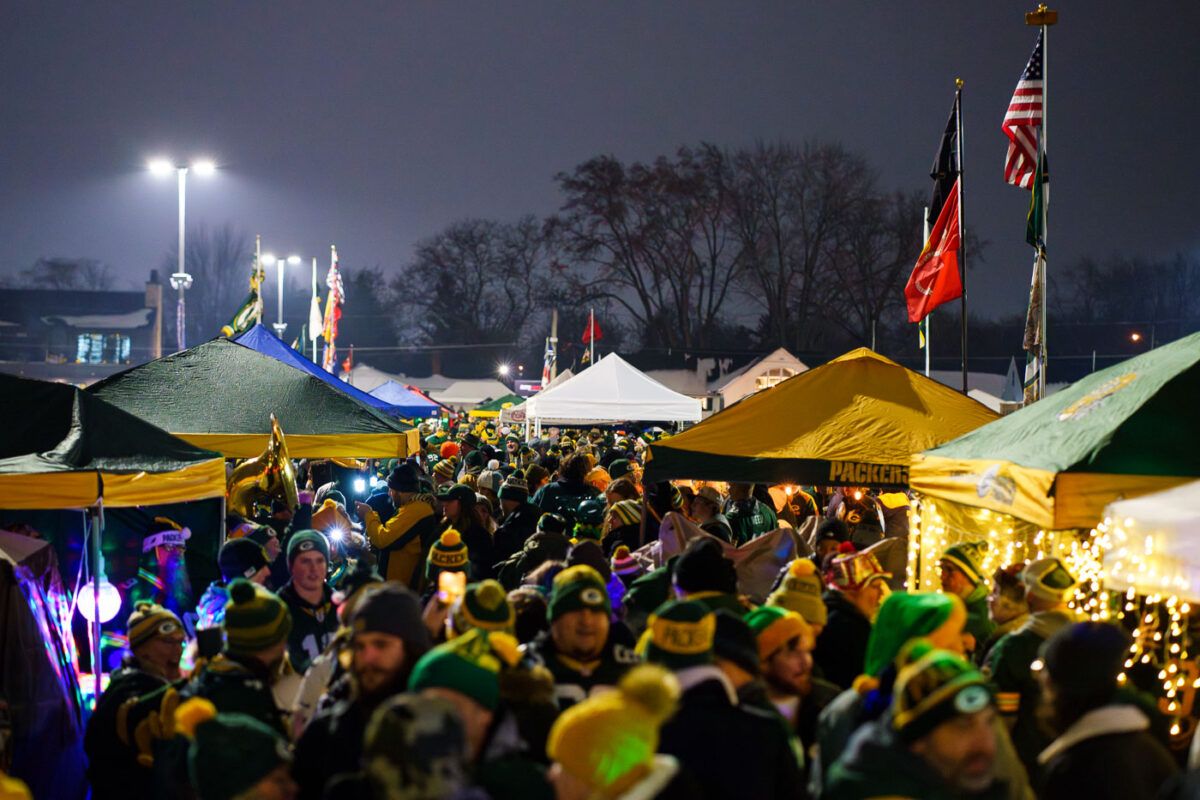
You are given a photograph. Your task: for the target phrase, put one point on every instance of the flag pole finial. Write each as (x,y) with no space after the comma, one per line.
(958,82)
(1043,16)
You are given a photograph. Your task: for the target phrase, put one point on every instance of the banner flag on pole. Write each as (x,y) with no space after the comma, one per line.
(333,312)
(547,364)
(251,308)
(593,332)
(1023,122)
(935,279)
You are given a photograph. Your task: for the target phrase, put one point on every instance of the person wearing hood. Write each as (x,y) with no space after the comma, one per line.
(1007,607)
(1104,749)
(961,571)
(518,519)
(564,495)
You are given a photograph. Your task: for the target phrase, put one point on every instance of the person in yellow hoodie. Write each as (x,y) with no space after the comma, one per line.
(403,540)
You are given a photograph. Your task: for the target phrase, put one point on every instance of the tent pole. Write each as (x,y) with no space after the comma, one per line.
(97,567)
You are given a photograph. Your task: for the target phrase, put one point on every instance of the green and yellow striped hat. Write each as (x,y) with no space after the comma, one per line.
(255,619)
(149,621)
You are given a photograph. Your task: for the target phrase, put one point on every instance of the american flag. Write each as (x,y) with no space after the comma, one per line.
(1023,122)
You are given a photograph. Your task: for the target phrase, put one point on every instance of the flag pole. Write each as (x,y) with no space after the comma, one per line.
(554,344)
(1043,18)
(591,336)
(962,233)
(314,297)
(258,270)
(929,316)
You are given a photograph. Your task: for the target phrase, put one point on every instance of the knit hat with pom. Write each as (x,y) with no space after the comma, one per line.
(229,753)
(149,621)
(447,468)
(609,740)
(623,562)
(485,606)
(448,553)
(514,488)
(801,592)
(255,619)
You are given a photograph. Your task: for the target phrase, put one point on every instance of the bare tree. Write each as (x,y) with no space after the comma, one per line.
(83,274)
(220,263)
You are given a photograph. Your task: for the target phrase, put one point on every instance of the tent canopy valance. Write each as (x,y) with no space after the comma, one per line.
(407,402)
(855,421)
(611,390)
(63,448)
(220,395)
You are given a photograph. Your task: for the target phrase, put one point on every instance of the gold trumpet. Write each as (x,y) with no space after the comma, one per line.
(268,475)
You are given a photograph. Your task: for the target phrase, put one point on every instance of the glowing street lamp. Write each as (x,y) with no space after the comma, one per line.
(180,279)
(280,326)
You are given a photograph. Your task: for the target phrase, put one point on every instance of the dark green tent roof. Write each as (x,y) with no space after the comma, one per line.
(63,448)
(221,395)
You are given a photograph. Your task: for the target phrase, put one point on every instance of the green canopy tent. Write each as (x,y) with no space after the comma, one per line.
(220,395)
(492,408)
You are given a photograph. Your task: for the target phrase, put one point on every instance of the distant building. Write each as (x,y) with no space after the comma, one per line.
(79,336)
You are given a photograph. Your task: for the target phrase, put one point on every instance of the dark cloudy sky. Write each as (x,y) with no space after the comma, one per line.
(374,124)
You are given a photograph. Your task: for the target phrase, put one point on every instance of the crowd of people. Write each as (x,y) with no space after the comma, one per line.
(489,624)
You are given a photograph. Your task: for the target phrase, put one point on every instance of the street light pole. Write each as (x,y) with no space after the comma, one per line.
(180,279)
(280,326)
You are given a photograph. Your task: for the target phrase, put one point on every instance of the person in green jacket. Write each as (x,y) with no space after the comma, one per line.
(962,573)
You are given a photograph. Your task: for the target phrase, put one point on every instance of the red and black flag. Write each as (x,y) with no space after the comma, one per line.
(935,279)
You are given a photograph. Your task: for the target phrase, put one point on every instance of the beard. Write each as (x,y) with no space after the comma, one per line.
(375,685)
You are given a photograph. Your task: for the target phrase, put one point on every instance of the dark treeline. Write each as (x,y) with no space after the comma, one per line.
(708,251)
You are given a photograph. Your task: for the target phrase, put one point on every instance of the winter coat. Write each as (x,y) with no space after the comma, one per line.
(514,529)
(243,685)
(330,745)
(666,780)
(984,649)
(1017,690)
(313,626)
(113,769)
(573,681)
(750,518)
(481,558)
(719,527)
(732,751)
(402,542)
(978,624)
(842,645)
(563,497)
(876,765)
(1108,753)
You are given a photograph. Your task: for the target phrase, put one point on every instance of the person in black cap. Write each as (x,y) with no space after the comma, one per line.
(237,558)
(459,513)
(548,543)
(519,517)
(388,638)
(827,539)
(1104,747)
(407,536)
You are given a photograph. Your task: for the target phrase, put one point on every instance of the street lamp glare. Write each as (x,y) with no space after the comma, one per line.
(1135,336)
(204,167)
(161,167)
(268,259)
(293,259)
(502,369)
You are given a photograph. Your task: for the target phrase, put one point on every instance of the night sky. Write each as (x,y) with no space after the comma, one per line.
(371,125)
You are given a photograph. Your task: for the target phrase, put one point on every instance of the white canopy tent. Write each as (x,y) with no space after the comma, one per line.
(611,390)
(1155,543)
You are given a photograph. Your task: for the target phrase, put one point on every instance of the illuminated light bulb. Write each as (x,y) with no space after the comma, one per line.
(109,605)
(1175,729)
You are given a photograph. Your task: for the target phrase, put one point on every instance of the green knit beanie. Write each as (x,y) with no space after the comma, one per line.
(589,519)
(576,588)
(902,617)
(232,752)
(465,664)
(969,558)
(484,605)
(679,634)
(303,542)
(448,554)
(932,687)
(255,619)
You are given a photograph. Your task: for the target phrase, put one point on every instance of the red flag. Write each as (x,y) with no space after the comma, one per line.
(348,364)
(935,279)
(593,332)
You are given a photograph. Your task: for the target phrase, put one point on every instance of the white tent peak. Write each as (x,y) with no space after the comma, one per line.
(611,390)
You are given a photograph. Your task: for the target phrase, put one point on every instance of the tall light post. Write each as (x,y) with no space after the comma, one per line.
(280,326)
(180,279)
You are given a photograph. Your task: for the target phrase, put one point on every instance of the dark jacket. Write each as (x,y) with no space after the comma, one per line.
(235,683)
(313,626)
(481,558)
(978,624)
(563,497)
(1109,752)
(876,765)
(732,751)
(842,645)
(573,683)
(112,765)
(514,529)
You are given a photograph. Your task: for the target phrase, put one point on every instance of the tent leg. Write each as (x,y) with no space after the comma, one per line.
(94,557)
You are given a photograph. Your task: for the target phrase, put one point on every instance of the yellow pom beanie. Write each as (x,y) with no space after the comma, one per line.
(609,740)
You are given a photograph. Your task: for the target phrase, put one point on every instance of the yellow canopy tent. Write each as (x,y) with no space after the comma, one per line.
(855,421)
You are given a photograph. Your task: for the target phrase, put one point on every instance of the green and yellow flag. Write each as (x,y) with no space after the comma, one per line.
(251,309)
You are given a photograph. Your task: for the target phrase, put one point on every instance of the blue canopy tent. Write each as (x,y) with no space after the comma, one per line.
(260,338)
(410,403)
